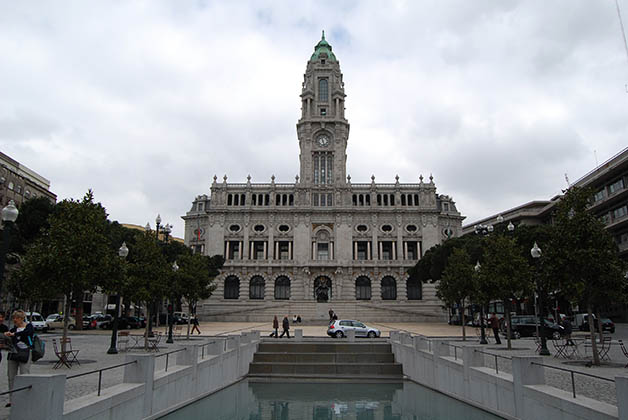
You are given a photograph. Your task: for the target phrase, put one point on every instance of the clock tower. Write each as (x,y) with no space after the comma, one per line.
(323,131)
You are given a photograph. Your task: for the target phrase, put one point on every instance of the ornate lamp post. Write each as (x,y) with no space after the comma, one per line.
(113,348)
(175,268)
(9,216)
(483,334)
(157,223)
(536,254)
(167,229)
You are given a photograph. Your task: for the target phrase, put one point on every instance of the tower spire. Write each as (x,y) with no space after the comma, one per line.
(323,37)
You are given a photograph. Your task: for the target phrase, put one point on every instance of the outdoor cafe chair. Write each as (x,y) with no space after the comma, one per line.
(623,350)
(560,347)
(67,357)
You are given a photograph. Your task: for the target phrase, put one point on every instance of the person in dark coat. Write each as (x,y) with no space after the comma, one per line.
(3,329)
(275,332)
(286,326)
(494,322)
(195,325)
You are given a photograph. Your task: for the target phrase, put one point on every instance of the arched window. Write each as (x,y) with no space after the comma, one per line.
(363,288)
(256,288)
(389,288)
(282,288)
(232,287)
(229,199)
(323,95)
(415,291)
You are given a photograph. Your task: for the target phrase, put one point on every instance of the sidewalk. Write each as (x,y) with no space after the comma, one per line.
(93,345)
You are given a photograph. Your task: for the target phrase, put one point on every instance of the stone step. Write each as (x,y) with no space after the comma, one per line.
(326,369)
(263,357)
(324,347)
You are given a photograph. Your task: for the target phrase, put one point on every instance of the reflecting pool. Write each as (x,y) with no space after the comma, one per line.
(328,401)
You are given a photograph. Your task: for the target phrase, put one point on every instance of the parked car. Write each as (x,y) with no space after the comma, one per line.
(103,321)
(129,322)
(526,325)
(339,327)
(51,317)
(58,323)
(180,317)
(35,318)
(88,322)
(607,325)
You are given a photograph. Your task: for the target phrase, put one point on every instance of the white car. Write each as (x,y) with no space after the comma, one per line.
(339,328)
(37,320)
(58,323)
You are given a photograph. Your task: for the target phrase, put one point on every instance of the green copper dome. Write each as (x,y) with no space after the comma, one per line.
(323,47)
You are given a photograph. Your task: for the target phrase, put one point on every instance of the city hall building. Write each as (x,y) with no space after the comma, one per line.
(322,241)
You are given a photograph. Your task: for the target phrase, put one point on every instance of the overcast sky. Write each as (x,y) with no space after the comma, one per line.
(144,101)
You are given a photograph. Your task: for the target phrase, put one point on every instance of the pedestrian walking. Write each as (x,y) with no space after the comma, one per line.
(22,337)
(275,332)
(494,321)
(195,325)
(3,329)
(286,326)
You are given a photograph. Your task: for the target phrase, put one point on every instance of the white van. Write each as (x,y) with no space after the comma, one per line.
(35,318)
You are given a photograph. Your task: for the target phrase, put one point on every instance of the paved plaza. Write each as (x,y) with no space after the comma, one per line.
(93,346)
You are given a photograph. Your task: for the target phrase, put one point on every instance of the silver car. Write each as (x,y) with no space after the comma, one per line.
(339,328)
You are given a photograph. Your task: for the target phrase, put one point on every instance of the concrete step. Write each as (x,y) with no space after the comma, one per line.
(324,347)
(326,369)
(262,357)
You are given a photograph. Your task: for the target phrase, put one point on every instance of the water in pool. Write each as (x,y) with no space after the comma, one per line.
(328,401)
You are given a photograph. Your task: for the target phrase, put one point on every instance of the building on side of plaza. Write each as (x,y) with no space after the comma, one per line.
(322,241)
(19,183)
(609,181)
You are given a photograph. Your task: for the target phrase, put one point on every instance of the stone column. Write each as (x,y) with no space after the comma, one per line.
(405,251)
(245,250)
(241,248)
(355,250)
(227,256)
(142,371)
(525,373)
(290,256)
(265,250)
(379,249)
(368,251)
(43,401)
(621,390)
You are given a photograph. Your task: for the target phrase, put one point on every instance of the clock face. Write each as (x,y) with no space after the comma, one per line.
(323,140)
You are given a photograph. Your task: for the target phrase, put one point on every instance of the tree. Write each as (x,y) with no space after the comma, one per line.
(194,277)
(582,257)
(456,283)
(505,274)
(74,255)
(147,275)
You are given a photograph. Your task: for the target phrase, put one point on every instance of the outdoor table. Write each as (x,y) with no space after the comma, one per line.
(136,341)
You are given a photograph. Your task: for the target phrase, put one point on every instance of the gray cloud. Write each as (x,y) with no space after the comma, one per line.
(145,102)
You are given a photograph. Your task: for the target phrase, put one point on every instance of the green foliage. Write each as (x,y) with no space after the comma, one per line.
(194,278)
(581,257)
(505,272)
(148,272)
(73,254)
(32,220)
(456,283)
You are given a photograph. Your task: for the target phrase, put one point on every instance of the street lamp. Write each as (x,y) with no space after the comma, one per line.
(157,222)
(113,348)
(175,268)
(167,230)
(483,334)
(9,216)
(536,254)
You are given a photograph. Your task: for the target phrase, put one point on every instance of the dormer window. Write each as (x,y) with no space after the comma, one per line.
(323,90)
(322,61)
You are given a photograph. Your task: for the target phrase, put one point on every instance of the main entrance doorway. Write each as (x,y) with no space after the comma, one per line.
(322,289)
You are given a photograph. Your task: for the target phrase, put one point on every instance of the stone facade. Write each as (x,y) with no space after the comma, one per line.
(322,241)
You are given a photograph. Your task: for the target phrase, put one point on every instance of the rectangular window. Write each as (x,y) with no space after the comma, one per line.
(412,248)
(329,166)
(284,250)
(232,250)
(323,200)
(316,171)
(322,251)
(362,250)
(315,199)
(598,196)
(323,112)
(323,169)
(620,212)
(258,250)
(387,250)
(323,90)
(329,199)
(605,218)
(616,186)
(445,206)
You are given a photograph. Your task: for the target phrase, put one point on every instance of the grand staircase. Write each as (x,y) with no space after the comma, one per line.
(325,359)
